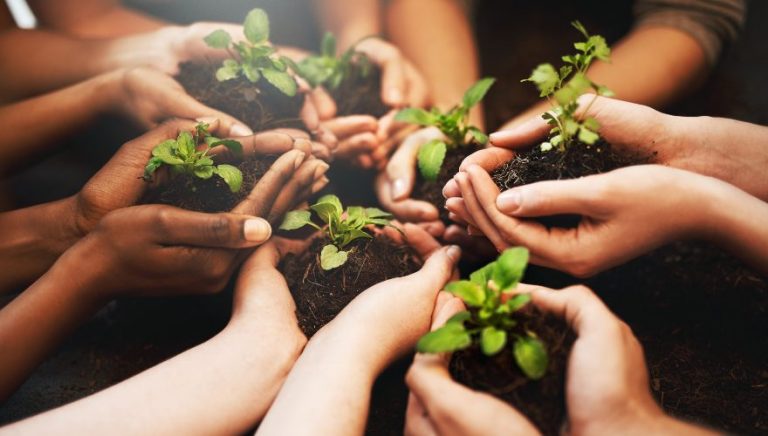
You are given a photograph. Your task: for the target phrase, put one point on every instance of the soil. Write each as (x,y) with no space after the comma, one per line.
(260,106)
(432,192)
(320,295)
(358,94)
(542,401)
(210,195)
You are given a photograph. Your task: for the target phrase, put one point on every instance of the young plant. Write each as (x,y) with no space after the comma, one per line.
(340,227)
(255,57)
(328,70)
(183,157)
(453,124)
(490,320)
(564,86)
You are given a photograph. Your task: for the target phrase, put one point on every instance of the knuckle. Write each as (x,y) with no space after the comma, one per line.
(219,229)
(581,267)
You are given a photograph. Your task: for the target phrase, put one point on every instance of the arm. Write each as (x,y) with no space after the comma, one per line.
(93,18)
(349,21)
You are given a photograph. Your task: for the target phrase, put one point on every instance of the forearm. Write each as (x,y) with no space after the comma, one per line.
(223,386)
(349,21)
(446,39)
(91,20)
(34,238)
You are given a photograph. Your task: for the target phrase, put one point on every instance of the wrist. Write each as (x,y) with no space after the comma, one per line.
(80,269)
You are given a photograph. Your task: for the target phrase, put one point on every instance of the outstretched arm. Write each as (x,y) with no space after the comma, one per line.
(93,18)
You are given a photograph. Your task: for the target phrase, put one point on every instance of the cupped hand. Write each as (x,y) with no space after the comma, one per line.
(623,214)
(438,405)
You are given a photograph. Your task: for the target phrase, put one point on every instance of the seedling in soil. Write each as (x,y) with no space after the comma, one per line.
(490,320)
(340,227)
(454,124)
(328,70)
(183,156)
(562,88)
(255,57)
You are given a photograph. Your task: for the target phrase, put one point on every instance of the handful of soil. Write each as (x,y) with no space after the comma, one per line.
(360,94)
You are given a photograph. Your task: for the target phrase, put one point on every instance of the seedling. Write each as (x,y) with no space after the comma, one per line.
(328,70)
(340,227)
(454,124)
(563,87)
(490,319)
(183,157)
(255,57)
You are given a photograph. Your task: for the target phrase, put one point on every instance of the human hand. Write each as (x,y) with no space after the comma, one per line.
(623,214)
(437,405)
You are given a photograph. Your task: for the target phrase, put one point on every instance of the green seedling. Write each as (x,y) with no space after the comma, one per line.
(183,156)
(340,227)
(490,320)
(255,57)
(563,87)
(328,70)
(454,125)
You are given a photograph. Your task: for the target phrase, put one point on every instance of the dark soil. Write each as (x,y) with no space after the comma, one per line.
(542,401)
(320,295)
(432,192)
(210,195)
(358,94)
(260,106)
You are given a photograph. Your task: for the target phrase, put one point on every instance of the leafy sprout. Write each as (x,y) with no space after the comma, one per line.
(490,320)
(563,87)
(328,70)
(183,157)
(454,124)
(255,57)
(340,227)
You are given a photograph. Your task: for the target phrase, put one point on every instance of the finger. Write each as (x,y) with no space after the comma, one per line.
(584,312)
(309,115)
(221,230)
(261,198)
(324,103)
(393,83)
(185,106)
(480,248)
(344,127)
(401,169)
(476,211)
(365,161)
(362,143)
(417,421)
(264,143)
(457,207)
(575,196)
(451,190)
(391,141)
(307,174)
(524,135)
(435,228)
(420,240)
(439,267)
(489,158)
(406,210)
(418,91)
(447,310)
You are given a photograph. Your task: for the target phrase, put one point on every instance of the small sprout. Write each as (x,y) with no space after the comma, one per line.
(563,88)
(255,57)
(489,322)
(183,157)
(328,70)
(453,124)
(341,227)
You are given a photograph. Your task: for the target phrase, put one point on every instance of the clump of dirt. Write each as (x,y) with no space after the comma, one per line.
(542,401)
(360,93)
(320,295)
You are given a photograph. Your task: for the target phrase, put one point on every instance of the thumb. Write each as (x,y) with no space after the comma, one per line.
(438,268)
(523,135)
(185,106)
(221,230)
(576,196)
(401,169)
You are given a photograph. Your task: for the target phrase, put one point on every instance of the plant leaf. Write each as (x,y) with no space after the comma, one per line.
(296,219)
(415,115)
(231,176)
(204,172)
(509,268)
(450,337)
(256,26)
(481,276)
(251,73)
(479,136)
(492,340)
(218,39)
(281,80)
(477,91)
(331,257)
(518,301)
(165,151)
(374,212)
(229,70)
(472,293)
(185,145)
(234,146)
(328,207)
(587,136)
(431,157)
(577,86)
(460,317)
(545,78)
(328,46)
(531,357)
(152,166)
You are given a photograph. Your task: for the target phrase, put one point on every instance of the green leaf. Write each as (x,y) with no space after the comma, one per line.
(228,71)
(234,146)
(545,78)
(509,269)
(600,48)
(592,124)
(492,340)
(281,80)
(204,172)
(477,91)
(165,152)
(328,207)
(605,91)
(256,26)
(328,46)
(204,162)
(296,219)
(481,276)
(331,257)
(531,357)
(479,136)
(355,234)
(185,145)
(152,166)
(580,27)
(218,39)
(472,293)
(577,86)
(431,157)
(518,301)
(587,136)
(231,176)
(451,337)
(374,212)
(251,73)
(460,317)
(415,116)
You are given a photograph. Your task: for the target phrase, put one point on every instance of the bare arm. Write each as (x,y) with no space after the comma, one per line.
(349,21)
(93,18)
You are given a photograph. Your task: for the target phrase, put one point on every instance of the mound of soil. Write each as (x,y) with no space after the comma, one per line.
(360,94)
(210,195)
(320,295)
(261,106)
(542,401)
(432,192)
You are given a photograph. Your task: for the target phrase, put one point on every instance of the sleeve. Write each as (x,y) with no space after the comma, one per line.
(712,23)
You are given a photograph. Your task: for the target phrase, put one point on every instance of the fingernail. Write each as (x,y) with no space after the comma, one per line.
(321,169)
(454,252)
(399,189)
(299,160)
(240,130)
(509,201)
(257,230)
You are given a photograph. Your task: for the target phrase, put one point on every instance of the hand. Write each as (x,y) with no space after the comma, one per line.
(395,184)
(623,214)
(438,405)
